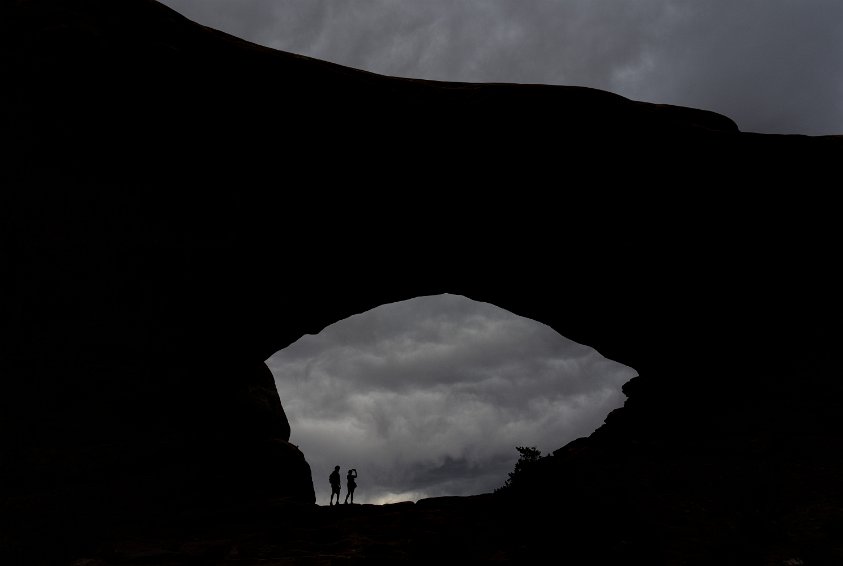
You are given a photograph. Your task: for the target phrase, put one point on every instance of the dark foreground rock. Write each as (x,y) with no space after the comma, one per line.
(456,530)
(179,204)
(484,528)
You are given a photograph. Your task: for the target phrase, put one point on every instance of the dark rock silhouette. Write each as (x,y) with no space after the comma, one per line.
(179,204)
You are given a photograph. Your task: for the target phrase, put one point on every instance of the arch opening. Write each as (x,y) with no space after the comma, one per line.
(430,396)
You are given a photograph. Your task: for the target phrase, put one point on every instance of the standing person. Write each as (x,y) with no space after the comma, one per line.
(334,478)
(351,483)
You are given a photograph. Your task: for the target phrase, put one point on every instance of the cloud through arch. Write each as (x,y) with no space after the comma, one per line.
(430,396)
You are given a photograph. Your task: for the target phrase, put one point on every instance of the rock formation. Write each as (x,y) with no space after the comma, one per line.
(180,204)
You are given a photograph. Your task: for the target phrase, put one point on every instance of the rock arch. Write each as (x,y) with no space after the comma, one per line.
(146,232)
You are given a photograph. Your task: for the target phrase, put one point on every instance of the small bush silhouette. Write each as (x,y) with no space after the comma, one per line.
(527,459)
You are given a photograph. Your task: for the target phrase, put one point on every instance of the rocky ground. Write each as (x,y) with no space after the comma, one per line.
(451,528)
(573,526)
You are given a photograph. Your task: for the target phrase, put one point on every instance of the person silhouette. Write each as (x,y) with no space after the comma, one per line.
(351,483)
(334,478)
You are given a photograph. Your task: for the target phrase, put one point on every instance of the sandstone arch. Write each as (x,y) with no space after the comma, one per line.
(143,234)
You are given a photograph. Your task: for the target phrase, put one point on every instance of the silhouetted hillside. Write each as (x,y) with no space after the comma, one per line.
(179,204)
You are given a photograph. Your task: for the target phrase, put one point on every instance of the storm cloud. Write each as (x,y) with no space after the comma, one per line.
(430,396)
(771,65)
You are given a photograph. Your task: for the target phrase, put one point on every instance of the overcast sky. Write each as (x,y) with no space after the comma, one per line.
(771,65)
(431,396)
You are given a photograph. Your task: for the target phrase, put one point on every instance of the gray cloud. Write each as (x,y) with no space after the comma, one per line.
(772,65)
(430,396)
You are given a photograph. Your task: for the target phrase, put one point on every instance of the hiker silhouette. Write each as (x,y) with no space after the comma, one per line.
(335,481)
(351,483)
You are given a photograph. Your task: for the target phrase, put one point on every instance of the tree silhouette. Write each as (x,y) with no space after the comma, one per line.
(527,459)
